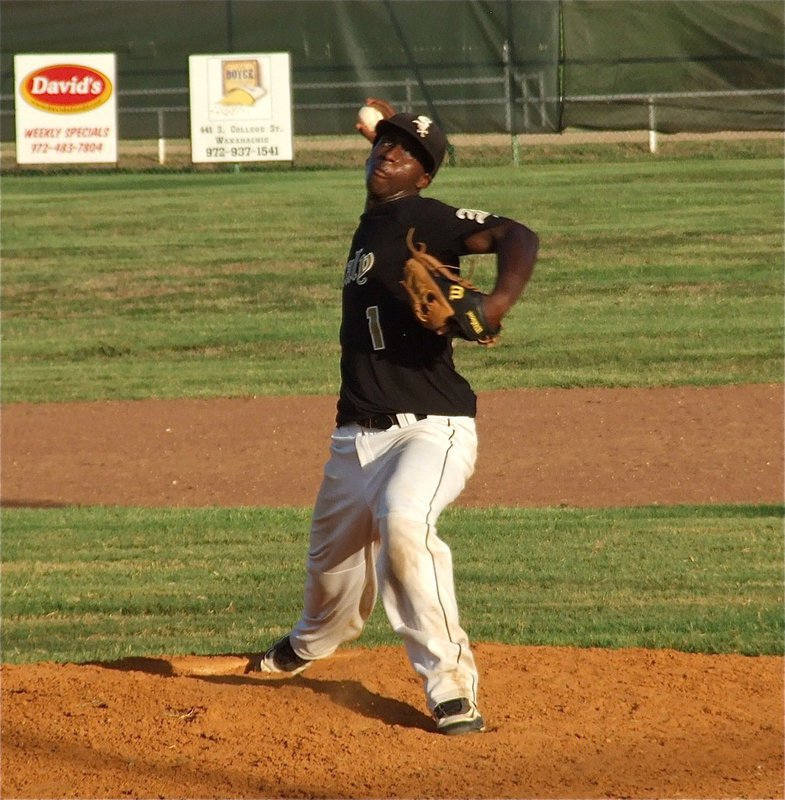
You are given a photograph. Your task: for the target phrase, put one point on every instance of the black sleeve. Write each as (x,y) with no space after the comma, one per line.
(444,229)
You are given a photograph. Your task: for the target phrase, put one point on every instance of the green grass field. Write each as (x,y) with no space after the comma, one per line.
(653,271)
(105,583)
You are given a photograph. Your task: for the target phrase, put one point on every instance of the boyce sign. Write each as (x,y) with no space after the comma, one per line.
(65,108)
(241,107)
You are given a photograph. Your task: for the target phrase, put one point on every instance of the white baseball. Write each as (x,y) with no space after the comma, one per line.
(368,116)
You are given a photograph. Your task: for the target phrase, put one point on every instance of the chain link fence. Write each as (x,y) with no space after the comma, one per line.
(500,67)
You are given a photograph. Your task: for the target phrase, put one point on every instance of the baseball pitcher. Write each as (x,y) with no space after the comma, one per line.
(405,442)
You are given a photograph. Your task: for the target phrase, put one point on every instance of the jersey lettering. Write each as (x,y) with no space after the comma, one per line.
(375,327)
(473,213)
(357,268)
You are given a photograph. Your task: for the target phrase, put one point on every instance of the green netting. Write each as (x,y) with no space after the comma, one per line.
(695,65)
(523,66)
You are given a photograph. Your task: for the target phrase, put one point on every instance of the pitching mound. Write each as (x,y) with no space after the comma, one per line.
(561,723)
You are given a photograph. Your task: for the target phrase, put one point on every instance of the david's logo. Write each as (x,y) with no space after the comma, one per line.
(66,88)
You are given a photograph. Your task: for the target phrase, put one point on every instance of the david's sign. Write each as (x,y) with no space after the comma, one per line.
(66,109)
(66,88)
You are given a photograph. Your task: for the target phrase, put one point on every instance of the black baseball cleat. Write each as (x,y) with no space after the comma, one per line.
(280,659)
(454,717)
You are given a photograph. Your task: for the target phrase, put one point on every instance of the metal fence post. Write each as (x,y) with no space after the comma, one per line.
(507,87)
(652,126)
(509,119)
(409,100)
(161,140)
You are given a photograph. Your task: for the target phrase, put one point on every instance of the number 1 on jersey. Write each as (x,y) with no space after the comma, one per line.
(377,337)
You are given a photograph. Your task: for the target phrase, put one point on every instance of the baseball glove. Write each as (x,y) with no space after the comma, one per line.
(443,301)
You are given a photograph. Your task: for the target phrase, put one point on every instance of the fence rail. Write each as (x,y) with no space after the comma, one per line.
(651,100)
(515,90)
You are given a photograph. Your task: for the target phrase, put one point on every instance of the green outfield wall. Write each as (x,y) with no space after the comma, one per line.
(519,66)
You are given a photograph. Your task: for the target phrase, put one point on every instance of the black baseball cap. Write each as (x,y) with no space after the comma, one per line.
(424,131)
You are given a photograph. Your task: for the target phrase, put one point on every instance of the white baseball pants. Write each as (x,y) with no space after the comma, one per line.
(374,524)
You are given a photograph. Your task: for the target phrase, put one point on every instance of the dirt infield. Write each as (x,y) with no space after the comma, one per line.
(563,723)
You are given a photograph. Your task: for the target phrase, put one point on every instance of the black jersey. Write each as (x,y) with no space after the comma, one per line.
(389,362)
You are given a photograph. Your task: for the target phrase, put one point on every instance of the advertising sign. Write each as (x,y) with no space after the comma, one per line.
(66,108)
(241,107)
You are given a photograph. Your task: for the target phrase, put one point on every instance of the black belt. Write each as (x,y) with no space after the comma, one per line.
(382,422)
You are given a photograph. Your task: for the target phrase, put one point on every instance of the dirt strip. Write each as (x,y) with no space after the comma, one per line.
(574,447)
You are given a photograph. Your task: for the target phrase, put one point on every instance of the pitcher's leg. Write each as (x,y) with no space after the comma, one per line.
(340,589)
(419,598)
(415,568)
